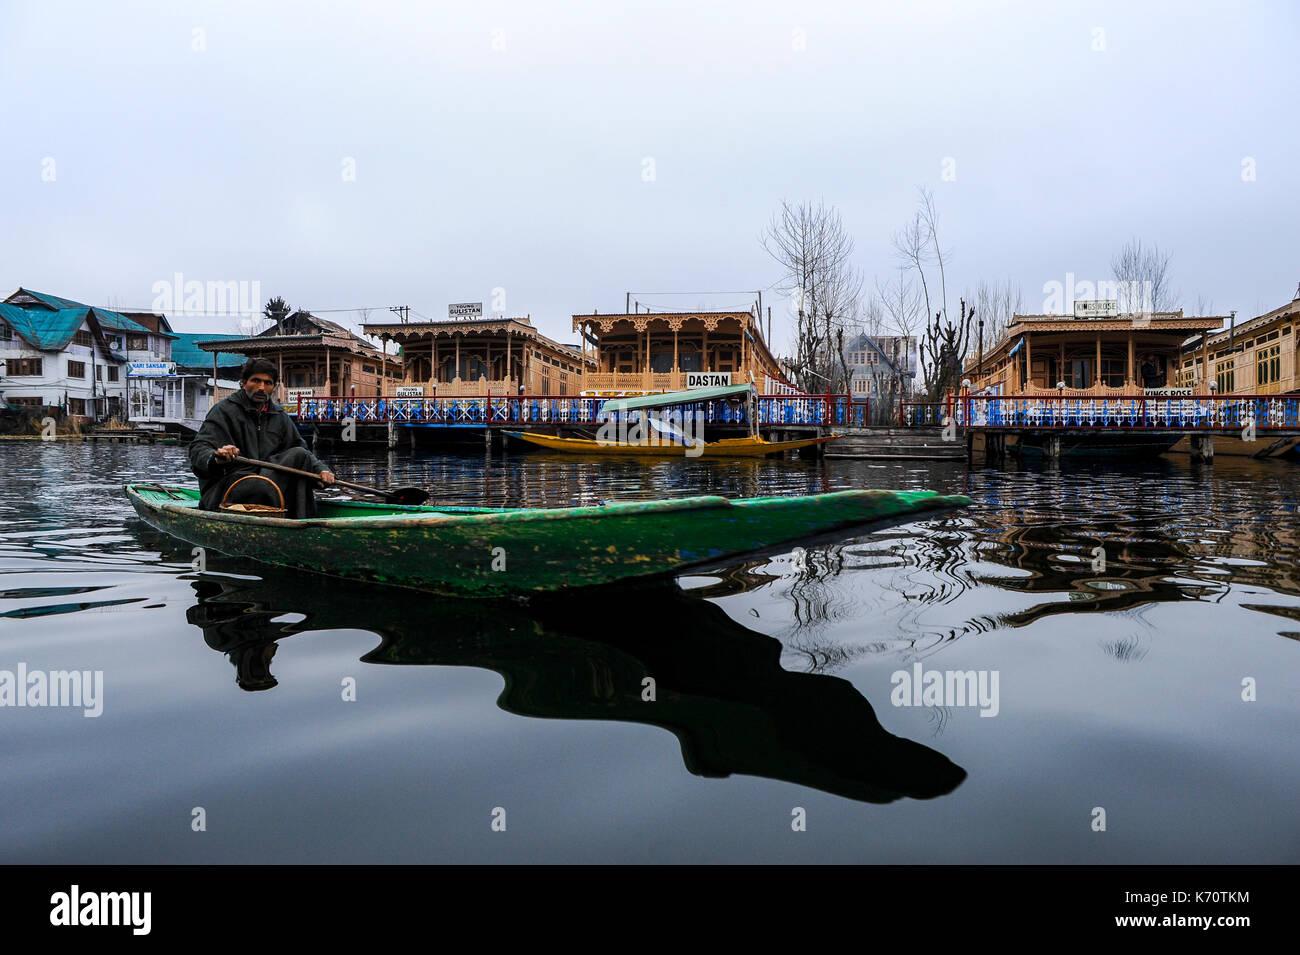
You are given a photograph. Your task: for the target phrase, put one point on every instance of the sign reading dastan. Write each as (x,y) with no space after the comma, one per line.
(708,379)
(1107,308)
(151,369)
(465,310)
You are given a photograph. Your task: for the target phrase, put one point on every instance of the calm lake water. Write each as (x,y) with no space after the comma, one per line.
(1119,689)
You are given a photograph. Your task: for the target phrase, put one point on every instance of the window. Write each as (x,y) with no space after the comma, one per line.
(368,369)
(6,333)
(26,402)
(1268,365)
(137,342)
(83,338)
(19,367)
(76,369)
(1226,377)
(112,373)
(1078,373)
(99,372)
(77,406)
(1113,371)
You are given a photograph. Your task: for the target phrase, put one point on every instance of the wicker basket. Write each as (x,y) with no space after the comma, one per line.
(255,510)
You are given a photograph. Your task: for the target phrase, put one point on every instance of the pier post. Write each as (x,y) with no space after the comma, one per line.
(1053,447)
(1203,447)
(392,434)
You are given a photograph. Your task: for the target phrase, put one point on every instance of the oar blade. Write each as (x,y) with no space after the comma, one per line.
(407,496)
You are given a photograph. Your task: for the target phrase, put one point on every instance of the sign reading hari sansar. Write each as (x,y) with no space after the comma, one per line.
(151,369)
(465,310)
(1097,309)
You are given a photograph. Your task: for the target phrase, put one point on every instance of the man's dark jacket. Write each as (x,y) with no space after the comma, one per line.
(258,433)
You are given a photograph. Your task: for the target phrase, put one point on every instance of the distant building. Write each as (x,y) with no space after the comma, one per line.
(60,354)
(881,365)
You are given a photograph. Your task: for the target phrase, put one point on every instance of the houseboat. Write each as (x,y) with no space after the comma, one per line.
(479,357)
(1099,353)
(314,356)
(1257,357)
(646,353)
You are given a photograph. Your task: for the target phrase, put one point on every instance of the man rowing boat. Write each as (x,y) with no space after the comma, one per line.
(251,424)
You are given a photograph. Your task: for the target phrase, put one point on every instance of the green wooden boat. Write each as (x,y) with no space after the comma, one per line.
(495,552)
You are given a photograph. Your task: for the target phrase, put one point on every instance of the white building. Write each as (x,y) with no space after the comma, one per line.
(94,363)
(60,354)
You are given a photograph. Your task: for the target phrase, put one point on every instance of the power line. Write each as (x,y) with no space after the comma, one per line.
(730,292)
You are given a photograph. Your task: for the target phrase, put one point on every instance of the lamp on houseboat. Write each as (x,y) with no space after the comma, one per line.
(1060,388)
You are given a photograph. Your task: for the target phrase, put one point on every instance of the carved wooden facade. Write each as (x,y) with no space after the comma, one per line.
(653,352)
(481,357)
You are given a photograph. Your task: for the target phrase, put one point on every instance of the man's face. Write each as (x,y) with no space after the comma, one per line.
(258,387)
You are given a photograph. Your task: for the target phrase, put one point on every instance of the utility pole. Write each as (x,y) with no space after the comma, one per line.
(404,311)
(627,304)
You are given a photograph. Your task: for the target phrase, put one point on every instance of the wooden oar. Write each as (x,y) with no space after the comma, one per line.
(399,495)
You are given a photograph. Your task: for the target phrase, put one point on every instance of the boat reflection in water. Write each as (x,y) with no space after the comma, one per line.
(717,685)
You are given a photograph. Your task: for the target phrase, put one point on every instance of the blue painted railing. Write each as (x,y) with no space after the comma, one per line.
(773,410)
(1198,413)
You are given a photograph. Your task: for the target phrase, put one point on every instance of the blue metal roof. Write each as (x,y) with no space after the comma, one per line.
(186,353)
(53,301)
(116,321)
(46,331)
(52,327)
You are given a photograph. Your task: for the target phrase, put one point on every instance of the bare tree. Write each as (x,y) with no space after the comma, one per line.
(944,343)
(1142,275)
(996,305)
(811,245)
(901,303)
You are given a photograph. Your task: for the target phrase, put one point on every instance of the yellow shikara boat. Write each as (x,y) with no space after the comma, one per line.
(751,446)
(671,441)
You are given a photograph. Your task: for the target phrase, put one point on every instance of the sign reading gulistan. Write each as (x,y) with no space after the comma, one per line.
(465,310)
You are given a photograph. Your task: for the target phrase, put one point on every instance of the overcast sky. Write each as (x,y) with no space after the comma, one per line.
(507,145)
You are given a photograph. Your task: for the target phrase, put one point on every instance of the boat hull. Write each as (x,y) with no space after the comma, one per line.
(497,552)
(726,448)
